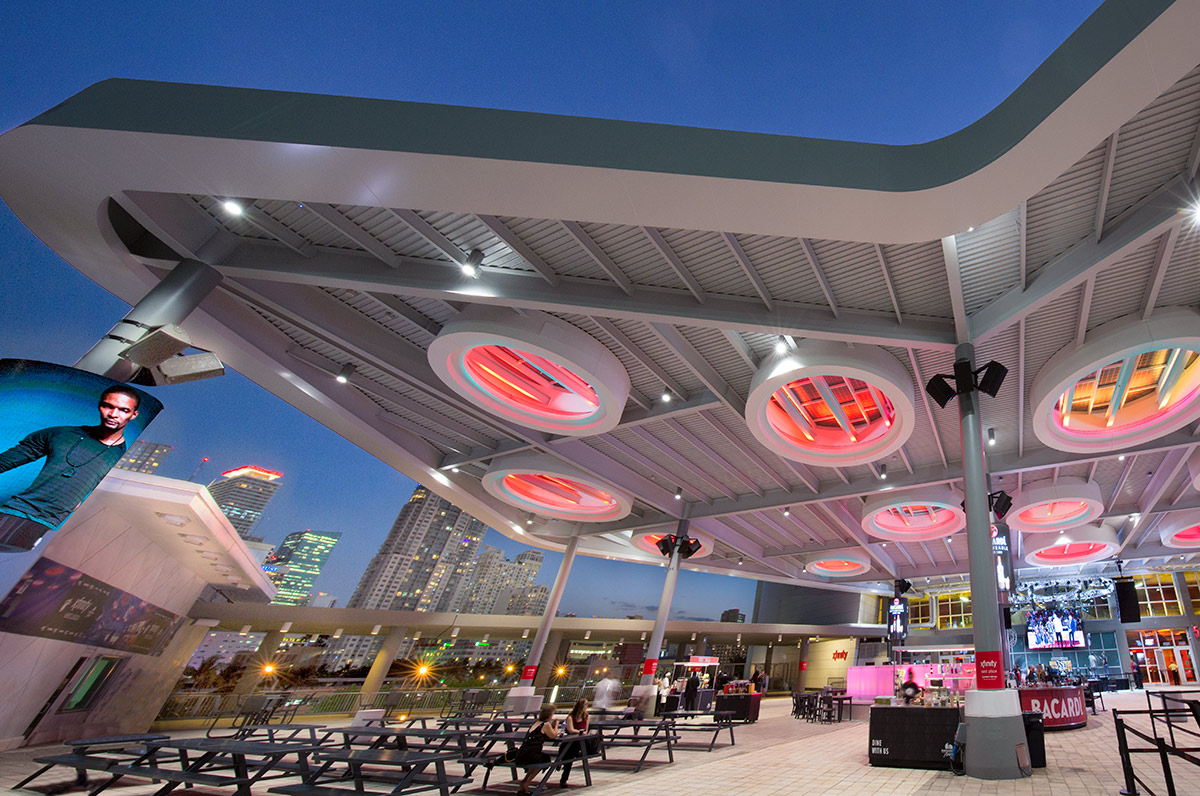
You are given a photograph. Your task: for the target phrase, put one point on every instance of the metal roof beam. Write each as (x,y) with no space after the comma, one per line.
(747,451)
(355,234)
(810,254)
(716,458)
(1145,223)
(402,309)
(887,280)
(715,483)
(675,340)
(1162,259)
(443,281)
(681,270)
(1110,157)
(924,399)
(599,256)
(1085,307)
(962,328)
(482,454)
(520,248)
(850,524)
(635,351)
(743,260)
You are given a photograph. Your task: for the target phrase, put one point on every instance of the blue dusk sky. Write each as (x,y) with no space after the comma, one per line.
(861,70)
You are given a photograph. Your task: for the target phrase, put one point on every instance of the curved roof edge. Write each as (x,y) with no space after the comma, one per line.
(388,125)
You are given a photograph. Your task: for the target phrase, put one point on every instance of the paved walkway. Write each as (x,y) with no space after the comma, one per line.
(782,755)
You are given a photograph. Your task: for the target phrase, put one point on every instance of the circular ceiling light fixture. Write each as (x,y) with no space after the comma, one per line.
(648,542)
(1049,507)
(837,564)
(553,488)
(824,403)
(1181,530)
(1133,381)
(533,369)
(1080,545)
(916,515)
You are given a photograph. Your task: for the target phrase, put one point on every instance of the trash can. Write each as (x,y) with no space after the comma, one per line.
(1035,737)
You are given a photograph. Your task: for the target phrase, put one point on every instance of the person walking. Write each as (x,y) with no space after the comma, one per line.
(1173,670)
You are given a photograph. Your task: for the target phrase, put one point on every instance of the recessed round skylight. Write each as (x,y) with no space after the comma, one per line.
(1133,381)
(1181,529)
(533,369)
(552,488)
(829,404)
(1080,545)
(837,564)
(916,515)
(1055,506)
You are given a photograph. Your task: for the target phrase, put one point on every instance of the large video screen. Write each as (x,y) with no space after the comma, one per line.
(61,431)
(1054,629)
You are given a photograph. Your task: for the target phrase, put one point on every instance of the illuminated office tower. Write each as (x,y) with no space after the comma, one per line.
(144,457)
(732,615)
(243,494)
(530,601)
(296,563)
(493,580)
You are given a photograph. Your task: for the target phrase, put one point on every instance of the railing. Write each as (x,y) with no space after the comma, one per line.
(1164,748)
(1172,703)
(428,701)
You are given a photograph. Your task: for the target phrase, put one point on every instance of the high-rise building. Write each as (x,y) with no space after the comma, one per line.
(732,615)
(529,602)
(144,457)
(296,563)
(493,580)
(419,567)
(243,494)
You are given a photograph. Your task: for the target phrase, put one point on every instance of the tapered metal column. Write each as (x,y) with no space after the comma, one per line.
(985,604)
(650,667)
(995,731)
(170,301)
(522,698)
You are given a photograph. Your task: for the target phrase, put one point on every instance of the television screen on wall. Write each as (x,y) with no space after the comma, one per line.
(1054,629)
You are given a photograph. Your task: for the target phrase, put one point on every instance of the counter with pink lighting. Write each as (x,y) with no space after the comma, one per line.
(865,683)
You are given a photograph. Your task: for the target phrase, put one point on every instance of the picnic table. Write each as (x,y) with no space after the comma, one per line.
(721,720)
(94,754)
(209,761)
(612,731)
(400,771)
(282,732)
(565,755)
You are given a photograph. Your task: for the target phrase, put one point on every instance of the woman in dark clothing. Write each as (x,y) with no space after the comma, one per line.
(530,753)
(577,724)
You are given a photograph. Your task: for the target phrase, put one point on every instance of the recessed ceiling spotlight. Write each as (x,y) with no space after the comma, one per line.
(970,229)
(991,437)
(883,472)
(787,511)
(1121,458)
(666,396)
(345,373)
(679,493)
(470,266)
(781,346)
(231,207)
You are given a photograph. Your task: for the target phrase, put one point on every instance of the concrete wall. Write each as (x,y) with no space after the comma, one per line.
(103,544)
(826,661)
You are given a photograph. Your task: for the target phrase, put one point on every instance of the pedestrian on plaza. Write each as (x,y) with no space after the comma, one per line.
(576,724)
(1173,669)
(531,754)
(691,692)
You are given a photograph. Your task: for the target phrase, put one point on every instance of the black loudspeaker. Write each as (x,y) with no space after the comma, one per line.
(1127,601)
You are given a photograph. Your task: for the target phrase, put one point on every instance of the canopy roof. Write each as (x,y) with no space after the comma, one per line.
(677,260)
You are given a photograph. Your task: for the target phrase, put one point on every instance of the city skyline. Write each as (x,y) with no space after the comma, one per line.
(897,75)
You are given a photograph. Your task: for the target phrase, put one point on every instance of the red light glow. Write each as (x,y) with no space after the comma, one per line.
(530,382)
(802,412)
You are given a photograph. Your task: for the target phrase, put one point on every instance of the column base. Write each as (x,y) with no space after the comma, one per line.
(647,697)
(995,736)
(522,699)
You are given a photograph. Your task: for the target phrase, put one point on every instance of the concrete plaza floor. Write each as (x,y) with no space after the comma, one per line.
(782,755)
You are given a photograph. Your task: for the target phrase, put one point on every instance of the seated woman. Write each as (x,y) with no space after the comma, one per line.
(530,753)
(577,724)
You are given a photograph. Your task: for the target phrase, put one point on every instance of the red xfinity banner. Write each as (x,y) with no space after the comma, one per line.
(989,672)
(650,666)
(529,672)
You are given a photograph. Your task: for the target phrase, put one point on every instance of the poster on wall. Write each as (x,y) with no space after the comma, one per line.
(55,601)
(61,431)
